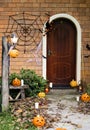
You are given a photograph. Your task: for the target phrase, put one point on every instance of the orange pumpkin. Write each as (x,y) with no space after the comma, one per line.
(85,97)
(73,83)
(61,129)
(46,90)
(16,82)
(39,121)
(13,53)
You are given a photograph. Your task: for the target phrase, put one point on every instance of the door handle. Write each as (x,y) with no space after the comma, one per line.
(49,52)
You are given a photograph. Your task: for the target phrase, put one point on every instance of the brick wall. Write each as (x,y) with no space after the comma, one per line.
(80,9)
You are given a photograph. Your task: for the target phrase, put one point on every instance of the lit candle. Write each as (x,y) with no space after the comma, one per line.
(36,105)
(77,98)
(80,88)
(51,85)
(22,82)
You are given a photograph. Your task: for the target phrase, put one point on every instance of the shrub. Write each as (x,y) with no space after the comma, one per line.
(36,83)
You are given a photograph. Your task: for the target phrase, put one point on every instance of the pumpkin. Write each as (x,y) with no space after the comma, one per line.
(73,83)
(41,94)
(85,97)
(46,90)
(61,129)
(16,82)
(39,121)
(13,53)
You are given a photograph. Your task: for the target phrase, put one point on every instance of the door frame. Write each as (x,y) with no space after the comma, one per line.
(78,40)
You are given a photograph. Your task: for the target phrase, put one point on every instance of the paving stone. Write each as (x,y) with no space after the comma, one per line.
(63,103)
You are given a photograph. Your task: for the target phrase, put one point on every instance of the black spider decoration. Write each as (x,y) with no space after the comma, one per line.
(28,28)
(88,46)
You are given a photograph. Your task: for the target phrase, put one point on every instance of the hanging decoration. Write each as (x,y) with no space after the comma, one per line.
(88,48)
(29,29)
(13,53)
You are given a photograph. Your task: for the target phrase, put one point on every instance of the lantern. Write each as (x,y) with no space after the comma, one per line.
(39,121)
(13,53)
(80,89)
(16,82)
(85,97)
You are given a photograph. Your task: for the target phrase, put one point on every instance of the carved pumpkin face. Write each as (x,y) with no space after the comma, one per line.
(16,82)
(39,121)
(85,97)
(13,53)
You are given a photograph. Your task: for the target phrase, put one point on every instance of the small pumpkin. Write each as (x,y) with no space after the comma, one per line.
(73,83)
(13,53)
(85,97)
(61,129)
(41,94)
(46,90)
(16,82)
(39,121)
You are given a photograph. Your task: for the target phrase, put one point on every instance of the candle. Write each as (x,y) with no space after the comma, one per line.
(36,105)
(51,85)
(22,82)
(80,88)
(77,98)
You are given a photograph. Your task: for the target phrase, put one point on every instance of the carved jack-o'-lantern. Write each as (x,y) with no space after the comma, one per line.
(85,97)
(39,121)
(16,82)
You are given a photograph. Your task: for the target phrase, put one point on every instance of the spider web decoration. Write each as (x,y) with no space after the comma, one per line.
(28,29)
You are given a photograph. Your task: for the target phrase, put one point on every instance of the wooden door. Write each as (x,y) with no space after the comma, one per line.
(61,53)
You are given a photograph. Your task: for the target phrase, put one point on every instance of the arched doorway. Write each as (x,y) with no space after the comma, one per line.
(62,48)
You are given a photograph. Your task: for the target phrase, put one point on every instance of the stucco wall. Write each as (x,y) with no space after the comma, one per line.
(79,9)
